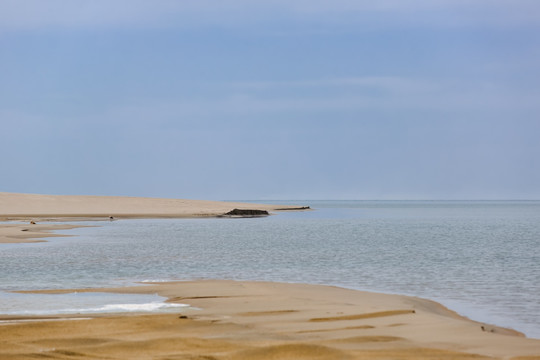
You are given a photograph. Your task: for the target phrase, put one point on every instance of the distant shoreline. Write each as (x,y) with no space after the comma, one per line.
(15,206)
(69,208)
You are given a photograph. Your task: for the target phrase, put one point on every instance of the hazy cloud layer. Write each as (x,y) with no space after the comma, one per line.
(36,14)
(275,99)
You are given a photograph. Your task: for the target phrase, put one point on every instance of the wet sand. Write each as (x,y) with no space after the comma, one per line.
(264,320)
(30,233)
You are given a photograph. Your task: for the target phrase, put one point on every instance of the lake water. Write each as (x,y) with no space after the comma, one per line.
(480,258)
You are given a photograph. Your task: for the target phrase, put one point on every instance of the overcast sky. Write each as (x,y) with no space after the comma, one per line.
(284,99)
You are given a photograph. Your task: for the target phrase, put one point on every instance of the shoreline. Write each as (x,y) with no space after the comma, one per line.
(154,287)
(21,233)
(267,316)
(15,206)
(246,319)
(39,210)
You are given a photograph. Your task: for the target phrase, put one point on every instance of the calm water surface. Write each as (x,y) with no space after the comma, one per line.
(481,259)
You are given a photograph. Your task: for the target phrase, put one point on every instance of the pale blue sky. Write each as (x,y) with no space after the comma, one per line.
(297,99)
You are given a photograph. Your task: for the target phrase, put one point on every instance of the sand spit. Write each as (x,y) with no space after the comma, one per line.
(46,208)
(263,320)
(25,206)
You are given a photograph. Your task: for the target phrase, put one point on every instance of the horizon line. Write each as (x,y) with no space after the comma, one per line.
(240,200)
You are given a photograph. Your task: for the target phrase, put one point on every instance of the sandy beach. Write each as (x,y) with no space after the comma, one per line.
(26,206)
(263,320)
(232,319)
(43,209)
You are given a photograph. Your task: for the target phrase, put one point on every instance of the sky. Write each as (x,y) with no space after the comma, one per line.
(296,99)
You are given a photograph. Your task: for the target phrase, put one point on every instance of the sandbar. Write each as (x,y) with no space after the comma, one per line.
(266,320)
(43,209)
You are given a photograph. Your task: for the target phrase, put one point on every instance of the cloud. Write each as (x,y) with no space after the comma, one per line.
(273,107)
(386,83)
(38,14)
(444,94)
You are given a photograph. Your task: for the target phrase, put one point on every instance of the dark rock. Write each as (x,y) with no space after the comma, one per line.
(247,212)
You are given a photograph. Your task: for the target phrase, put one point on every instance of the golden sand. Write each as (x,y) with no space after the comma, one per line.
(27,206)
(264,320)
(40,209)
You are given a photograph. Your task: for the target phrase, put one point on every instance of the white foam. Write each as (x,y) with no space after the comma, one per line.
(83,303)
(153,306)
(110,308)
